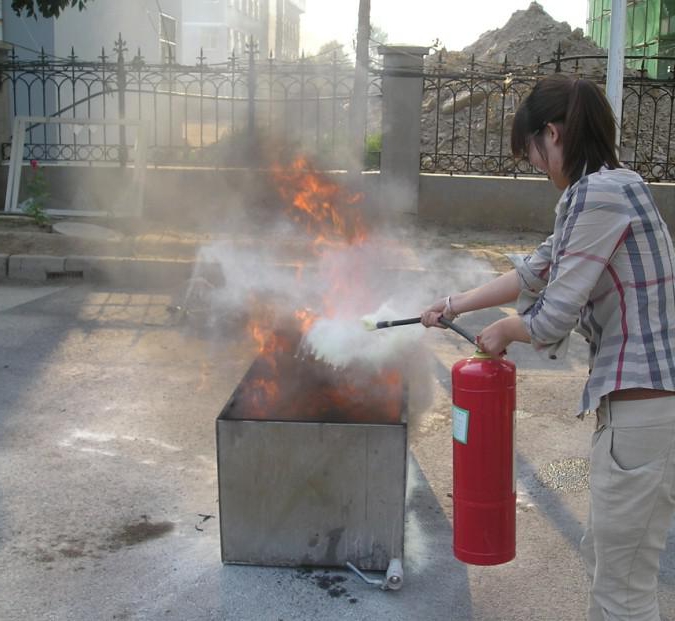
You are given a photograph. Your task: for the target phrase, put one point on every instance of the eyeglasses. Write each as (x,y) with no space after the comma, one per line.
(536,132)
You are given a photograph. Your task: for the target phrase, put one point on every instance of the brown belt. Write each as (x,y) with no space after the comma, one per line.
(636,394)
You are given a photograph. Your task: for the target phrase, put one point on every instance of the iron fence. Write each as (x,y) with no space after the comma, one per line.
(467,115)
(233,114)
(202,115)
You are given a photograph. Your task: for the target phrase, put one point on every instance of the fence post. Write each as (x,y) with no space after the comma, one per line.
(402,89)
(120,48)
(5,102)
(252,85)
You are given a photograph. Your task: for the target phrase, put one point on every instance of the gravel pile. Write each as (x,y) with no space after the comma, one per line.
(565,475)
(529,35)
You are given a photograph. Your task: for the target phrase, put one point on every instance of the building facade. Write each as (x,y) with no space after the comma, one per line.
(151,26)
(219,28)
(650,31)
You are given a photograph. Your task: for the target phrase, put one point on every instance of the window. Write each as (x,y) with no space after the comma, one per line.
(167,38)
(167,28)
(209,38)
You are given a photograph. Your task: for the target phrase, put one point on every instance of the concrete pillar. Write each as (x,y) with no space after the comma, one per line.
(402,85)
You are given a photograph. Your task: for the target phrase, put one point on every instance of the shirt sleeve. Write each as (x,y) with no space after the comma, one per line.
(595,225)
(533,269)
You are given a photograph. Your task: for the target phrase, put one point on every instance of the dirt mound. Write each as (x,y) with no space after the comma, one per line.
(529,35)
(475,117)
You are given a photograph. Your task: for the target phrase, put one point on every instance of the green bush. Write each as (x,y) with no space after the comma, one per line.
(36,187)
(373,150)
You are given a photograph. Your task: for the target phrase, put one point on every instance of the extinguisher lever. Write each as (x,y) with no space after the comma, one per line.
(461,331)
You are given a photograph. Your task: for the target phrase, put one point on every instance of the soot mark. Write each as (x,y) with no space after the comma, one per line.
(139,532)
(334,537)
(327,581)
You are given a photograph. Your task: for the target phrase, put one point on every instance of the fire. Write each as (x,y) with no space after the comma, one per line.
(259,334)
(283,385)
(324,208)
(306,318)
(299,389)
(263,394)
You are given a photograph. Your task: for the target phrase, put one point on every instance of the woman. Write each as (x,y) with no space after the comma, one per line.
(606,271)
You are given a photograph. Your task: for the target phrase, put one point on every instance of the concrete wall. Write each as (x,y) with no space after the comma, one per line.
(195,197)
(507,203)
(490,202)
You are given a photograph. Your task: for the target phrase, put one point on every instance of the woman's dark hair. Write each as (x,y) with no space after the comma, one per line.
(588,125)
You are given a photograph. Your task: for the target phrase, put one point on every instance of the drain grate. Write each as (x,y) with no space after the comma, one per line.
(68,275)
(567,475)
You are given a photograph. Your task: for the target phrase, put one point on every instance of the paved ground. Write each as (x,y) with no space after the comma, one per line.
(107,469)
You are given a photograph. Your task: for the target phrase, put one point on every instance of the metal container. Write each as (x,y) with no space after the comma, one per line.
(309,492)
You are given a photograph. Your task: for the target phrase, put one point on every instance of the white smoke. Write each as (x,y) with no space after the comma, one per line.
(340,342)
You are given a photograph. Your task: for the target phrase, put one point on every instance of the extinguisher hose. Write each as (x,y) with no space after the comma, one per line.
(371,325)
(461,331)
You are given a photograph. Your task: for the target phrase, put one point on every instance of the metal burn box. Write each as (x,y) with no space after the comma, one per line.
(312,465)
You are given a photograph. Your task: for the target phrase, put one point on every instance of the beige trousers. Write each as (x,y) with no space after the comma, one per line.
(632,499)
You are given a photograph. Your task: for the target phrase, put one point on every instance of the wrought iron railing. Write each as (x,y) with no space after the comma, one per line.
(235,113)
(202,115)
(467,116)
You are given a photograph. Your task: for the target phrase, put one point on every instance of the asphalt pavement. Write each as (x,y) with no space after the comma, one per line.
(108,479)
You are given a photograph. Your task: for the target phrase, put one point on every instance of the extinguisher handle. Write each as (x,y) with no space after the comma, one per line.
(461,331)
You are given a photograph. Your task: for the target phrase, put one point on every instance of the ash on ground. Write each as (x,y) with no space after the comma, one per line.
(330,582)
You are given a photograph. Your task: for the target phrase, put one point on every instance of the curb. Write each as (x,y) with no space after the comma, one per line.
(120,271)
(140,272)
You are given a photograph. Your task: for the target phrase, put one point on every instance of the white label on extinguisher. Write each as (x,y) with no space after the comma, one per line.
(460,424)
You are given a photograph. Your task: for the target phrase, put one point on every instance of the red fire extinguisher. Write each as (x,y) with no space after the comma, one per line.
(484,478)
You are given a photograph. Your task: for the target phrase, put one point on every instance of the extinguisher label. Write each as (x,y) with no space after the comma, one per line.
(460,424)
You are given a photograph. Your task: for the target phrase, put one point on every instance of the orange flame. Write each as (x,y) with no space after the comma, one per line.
(323,206)
(306,318)
(331,216)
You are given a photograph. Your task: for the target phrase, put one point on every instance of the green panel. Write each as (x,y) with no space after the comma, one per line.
(653,20)
(638,27)
(667,17)
(604,32)
(592,9)
(666,49)
(651,65)
(630,22)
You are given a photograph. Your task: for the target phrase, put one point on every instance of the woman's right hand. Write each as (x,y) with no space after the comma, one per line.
(442,308)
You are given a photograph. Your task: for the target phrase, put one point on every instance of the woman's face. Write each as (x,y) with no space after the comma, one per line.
(544,151)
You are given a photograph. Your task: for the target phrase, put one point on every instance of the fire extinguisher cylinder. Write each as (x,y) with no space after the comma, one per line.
(484,479)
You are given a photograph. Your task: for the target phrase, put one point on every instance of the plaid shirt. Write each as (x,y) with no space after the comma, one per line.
(607,271)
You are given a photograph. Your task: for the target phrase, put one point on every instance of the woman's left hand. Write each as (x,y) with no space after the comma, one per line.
(495,338)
